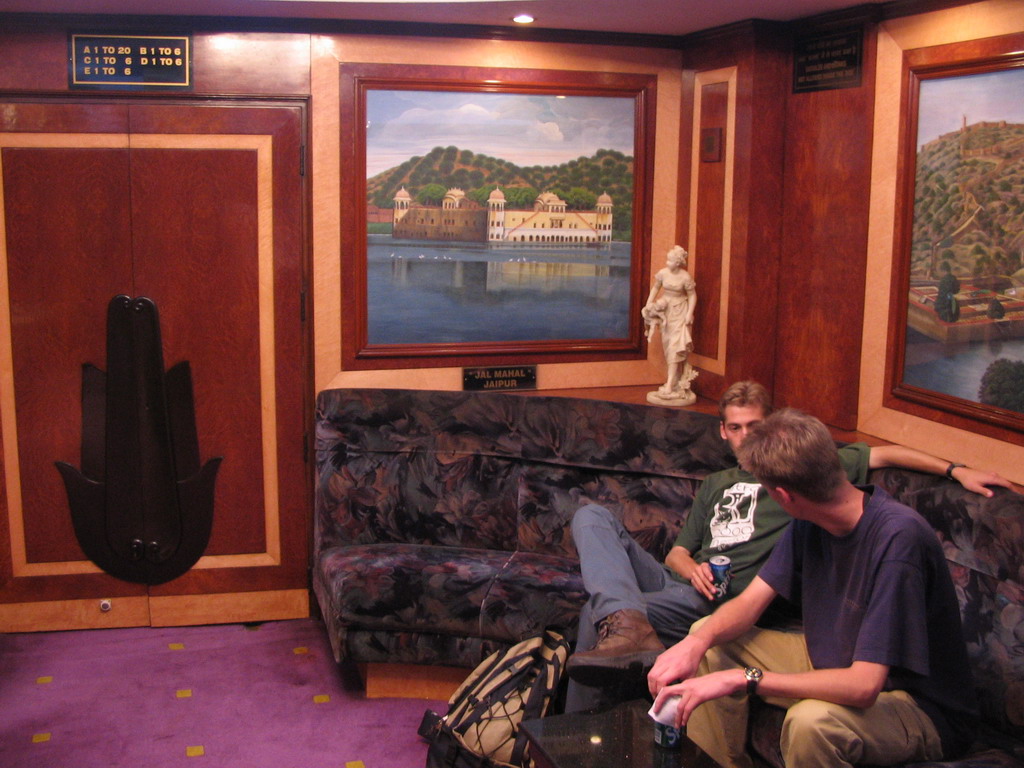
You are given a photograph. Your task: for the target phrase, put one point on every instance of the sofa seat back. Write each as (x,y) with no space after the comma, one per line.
(427,497)
(983,539)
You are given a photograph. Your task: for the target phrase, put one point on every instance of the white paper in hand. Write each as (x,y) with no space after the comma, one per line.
(667,715)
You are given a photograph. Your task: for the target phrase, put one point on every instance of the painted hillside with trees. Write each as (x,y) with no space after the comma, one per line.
(969,203)
(968,234)
(578,182)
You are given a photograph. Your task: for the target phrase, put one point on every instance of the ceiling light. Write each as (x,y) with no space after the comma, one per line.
(523,18)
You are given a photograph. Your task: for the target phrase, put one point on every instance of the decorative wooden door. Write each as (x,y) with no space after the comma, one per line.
(200,208)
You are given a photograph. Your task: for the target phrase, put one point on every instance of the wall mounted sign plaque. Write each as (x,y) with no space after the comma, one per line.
(130,61)
(499,378)
(828,62)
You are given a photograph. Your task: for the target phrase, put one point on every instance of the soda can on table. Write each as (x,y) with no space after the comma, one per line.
(667,736)
(721,574)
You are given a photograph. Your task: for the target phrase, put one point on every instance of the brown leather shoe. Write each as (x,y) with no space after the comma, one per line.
(626,645)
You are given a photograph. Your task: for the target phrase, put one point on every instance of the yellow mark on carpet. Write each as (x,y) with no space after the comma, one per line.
(176,646)
(322,698)
(300,650)
(355,764)
(44,680)
(194,751)
(184,693)
(39,738)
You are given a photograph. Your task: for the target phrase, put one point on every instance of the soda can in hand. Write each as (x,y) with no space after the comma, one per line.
(721,574)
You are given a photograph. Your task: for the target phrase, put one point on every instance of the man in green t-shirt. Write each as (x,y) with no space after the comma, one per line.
(637,605)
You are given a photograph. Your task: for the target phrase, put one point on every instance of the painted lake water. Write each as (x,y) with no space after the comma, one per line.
(424,292)
(955,369)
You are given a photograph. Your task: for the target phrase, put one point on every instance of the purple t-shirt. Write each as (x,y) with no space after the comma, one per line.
(882,594)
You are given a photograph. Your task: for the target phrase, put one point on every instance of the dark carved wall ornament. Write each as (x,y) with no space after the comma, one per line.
(142,506)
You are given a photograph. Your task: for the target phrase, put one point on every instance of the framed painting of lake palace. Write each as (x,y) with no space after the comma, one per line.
(493,215)
(956,341)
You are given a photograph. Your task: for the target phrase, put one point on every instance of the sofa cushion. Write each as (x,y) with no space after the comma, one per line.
(369,420)
(420,497)
(621,437)
(485,593)
(651,507)
(983,539)
(531,593)
(409,587)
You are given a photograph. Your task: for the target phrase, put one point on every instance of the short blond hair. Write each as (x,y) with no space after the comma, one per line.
(793,450)
(745,393)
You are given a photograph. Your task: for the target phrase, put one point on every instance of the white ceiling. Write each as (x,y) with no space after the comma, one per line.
(653,17)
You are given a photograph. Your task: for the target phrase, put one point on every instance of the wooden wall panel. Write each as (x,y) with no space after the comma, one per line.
(824,245)
(251,63)
(69,253)
(759,52)
(709,235)
(199,267)
(234,174)
(64,250)
(201,208)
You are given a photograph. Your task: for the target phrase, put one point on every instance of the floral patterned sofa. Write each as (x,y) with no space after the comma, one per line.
(984,544)
(442,518)
(441,530)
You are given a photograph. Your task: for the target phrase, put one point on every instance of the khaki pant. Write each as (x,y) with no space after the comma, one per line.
(815,734)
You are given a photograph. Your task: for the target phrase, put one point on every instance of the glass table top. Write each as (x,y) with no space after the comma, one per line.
(621,737)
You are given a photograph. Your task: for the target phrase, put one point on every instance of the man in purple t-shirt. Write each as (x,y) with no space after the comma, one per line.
(880,674)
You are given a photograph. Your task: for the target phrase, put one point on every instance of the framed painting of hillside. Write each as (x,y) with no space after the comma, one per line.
(493,215)
(957,343)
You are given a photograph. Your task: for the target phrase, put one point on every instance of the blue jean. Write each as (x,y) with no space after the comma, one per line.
(619,574)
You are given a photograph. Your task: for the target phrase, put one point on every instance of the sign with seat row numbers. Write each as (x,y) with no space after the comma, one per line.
(130,61)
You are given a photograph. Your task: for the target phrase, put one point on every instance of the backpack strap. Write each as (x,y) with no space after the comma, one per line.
(543,689)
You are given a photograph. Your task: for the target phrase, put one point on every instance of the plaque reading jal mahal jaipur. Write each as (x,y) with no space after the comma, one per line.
(498,216)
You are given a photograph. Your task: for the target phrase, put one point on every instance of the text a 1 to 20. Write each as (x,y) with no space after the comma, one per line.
(105,59)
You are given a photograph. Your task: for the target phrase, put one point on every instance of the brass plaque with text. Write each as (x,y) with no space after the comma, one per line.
(499,378)
(130,61)
(828,62)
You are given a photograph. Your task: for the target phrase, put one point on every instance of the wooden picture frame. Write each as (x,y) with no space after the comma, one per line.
(957,250)
(470,277)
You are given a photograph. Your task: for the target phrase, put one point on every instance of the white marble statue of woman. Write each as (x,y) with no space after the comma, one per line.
(672,313)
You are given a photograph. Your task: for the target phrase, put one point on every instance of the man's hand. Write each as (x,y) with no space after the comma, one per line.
(702,580)
(677,663)
(695,691)
(698,574)
(978,480)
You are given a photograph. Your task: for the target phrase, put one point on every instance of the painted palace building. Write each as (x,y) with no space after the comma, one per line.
(460,219)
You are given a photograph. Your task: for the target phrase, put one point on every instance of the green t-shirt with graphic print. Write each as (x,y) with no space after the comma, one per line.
(733,515)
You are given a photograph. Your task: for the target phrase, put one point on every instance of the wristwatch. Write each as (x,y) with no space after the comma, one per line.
(753,675)
(953,465)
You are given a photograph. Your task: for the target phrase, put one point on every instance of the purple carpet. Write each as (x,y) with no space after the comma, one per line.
(260,696)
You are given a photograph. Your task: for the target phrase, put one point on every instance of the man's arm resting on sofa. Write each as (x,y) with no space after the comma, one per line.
(699,575)
(975,480)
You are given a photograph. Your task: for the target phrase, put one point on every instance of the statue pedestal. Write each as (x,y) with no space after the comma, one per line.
(677,399)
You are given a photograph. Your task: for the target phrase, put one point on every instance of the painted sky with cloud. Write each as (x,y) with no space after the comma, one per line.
(982,98)
(525,129)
